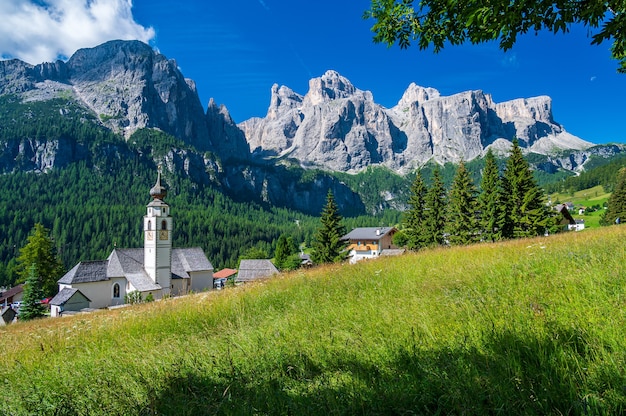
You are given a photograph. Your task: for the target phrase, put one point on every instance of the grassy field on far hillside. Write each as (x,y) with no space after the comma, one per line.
(591,197)
(523,327)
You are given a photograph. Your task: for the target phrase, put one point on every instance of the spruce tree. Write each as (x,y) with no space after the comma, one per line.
(461,221)
(528,215)
(490,204)
(414,217)
(282,251)
(435,211)
(328,246)
(39,252)
(32,307)
(616,210)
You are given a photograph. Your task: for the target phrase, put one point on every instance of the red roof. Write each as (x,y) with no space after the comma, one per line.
(224,273)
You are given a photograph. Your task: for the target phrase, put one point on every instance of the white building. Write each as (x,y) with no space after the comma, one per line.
(157,269)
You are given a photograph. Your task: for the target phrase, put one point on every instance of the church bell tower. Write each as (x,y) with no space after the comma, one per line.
(157,226)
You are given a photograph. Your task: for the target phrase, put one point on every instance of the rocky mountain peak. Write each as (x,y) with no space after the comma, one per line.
(340,127)
(283,99)
(128,86)
(330,86)
(415,94)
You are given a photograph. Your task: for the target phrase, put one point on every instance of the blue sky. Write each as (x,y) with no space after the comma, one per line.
(235,50)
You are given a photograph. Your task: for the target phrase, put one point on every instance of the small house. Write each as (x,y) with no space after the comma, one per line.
(250,270)
(12,295)
(221,277)
(68,300)
(370,242)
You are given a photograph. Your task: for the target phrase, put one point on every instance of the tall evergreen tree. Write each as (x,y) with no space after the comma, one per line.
(414,217)
(328,246)
(39,252)
(286,254)
(616,211)
(528,215)
(490,204)
(32,307)
(461,222)
(435,211)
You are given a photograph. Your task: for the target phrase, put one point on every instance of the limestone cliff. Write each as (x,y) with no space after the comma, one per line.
(128,86)
(336,126)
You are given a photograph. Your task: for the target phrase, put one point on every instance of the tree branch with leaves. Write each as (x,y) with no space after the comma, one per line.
(435,23)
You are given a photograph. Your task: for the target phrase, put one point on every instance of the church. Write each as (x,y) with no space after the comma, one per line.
(157,270)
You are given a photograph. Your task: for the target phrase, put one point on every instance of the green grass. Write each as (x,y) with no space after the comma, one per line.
(523,327)
(595,196)
(586,197)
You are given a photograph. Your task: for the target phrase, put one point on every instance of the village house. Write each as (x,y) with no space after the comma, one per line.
(221,278)
(370,242)
(12,295)
(251,270)
(156,270)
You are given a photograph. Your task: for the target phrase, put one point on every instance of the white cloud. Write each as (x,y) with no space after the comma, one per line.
(38,31)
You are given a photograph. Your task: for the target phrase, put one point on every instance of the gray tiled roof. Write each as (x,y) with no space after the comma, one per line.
(64,295)
(86,272)
(185,260)
(367,233)
(255,269)
(128,263)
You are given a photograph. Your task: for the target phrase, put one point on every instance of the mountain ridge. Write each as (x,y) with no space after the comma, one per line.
(336,126)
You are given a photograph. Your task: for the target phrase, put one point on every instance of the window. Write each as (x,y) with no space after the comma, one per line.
(116,290)
(149,225)
(164,225)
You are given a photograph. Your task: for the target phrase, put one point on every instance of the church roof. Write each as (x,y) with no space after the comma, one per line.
(86,272)
(255,269)
(64,295)
(128,263)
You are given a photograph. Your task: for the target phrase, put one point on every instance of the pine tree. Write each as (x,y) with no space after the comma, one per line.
(414,217)
(328,246)
(32,307)
(284,249)
(461,221)
(39,252)
(528,215)
(490,204)
(435,211)
(616,211)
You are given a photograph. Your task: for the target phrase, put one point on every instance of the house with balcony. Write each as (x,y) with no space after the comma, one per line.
(370,242)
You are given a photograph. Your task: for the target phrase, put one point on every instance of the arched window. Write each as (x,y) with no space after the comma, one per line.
(149,225)
(116,290)
(164,225)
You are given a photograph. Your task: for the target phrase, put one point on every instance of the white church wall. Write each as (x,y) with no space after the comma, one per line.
(121,294)
(99,293)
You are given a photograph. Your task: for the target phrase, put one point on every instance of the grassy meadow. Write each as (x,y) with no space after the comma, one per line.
(523,327)
(595,196)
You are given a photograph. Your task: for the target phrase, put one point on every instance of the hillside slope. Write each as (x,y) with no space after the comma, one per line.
(524,327)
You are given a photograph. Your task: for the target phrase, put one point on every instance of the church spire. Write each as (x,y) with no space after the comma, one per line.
(158,191)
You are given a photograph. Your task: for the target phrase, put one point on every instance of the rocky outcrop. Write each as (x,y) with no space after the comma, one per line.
(129,86)
(227,139)
(336,126)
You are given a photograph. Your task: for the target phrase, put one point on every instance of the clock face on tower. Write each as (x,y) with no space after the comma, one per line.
(149,235)
(163,235)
